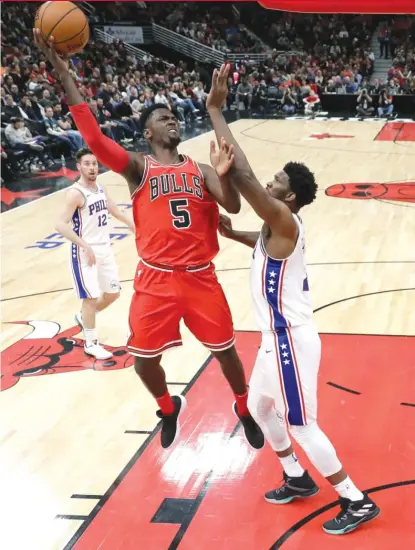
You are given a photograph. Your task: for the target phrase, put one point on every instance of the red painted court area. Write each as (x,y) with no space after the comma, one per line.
(208,491)
(397,131)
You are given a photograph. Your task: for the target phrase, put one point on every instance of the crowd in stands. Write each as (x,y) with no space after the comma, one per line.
(312,55)
(214,25)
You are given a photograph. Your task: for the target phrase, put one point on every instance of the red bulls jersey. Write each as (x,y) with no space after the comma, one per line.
(176,218)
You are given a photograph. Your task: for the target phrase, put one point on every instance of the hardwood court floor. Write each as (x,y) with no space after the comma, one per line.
(66,439)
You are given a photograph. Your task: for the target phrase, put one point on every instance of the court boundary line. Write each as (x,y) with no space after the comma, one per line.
(393,203)
(304,146)
(343,388)
(279,542)
(223,270)
(361,296)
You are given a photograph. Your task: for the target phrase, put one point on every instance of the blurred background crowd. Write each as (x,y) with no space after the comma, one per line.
(283,64)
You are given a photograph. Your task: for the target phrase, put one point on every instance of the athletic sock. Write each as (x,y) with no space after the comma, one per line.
(165,403)
(242,404)
(291,465)
(90,336)
(347,489)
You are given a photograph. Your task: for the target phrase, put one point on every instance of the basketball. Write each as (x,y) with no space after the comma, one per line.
(66,23)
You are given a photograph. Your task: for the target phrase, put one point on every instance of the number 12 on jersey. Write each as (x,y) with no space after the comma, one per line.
(180,214)
(102,220)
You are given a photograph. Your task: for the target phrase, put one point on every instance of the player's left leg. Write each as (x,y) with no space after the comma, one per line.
(211,323)
(87,315)
(108,279)
(234,373)
(102,302)
(106,299)
(299,351)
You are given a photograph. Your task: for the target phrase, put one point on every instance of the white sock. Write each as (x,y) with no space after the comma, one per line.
(90,336)
(347,489)
(291,465)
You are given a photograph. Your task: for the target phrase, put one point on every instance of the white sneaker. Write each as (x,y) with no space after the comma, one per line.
(78,320)
(96,350)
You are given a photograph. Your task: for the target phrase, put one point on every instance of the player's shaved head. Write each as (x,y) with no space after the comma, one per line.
(147,114)
(160,126)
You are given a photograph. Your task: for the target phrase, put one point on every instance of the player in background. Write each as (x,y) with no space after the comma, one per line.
(283,386)
(84,222)
(175,207)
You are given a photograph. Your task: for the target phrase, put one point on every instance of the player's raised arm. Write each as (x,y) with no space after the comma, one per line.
(272,211)
(73,200)
(109,153)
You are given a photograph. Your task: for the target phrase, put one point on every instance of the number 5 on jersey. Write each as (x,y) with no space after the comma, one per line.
(180,214)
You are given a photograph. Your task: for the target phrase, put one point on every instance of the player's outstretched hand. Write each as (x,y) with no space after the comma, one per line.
(221,159)
(219,90)
(225,226)
(47,47)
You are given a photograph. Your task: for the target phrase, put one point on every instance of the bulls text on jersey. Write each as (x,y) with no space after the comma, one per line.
(167,184)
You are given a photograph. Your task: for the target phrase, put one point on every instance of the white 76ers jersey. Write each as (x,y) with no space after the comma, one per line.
(91,220)
(280,287)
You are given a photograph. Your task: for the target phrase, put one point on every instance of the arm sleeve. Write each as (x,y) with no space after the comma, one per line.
(109,153)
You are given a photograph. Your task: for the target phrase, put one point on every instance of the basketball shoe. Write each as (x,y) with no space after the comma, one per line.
(253,433)
(294,487)
(170,428)
(351,515)
(93,348)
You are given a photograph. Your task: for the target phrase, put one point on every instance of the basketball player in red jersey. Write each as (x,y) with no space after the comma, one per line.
(175,208)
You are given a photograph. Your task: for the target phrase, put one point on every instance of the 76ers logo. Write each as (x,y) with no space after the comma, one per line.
(46,350)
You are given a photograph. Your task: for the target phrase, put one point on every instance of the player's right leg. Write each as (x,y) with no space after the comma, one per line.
(108,278)
(154,328)
(86,284)
(266,405)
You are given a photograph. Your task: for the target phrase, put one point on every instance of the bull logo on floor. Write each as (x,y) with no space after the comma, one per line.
(46,350)
(394,192)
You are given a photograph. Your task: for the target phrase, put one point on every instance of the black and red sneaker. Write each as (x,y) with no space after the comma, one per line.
(170,428)
(253,433)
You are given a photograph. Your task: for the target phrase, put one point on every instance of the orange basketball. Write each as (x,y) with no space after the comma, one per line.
(66,23)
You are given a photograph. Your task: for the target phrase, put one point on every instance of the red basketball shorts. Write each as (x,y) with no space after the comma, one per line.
(163,297)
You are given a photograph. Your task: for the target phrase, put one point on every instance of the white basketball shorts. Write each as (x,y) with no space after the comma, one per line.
(286,370)
(90,281)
